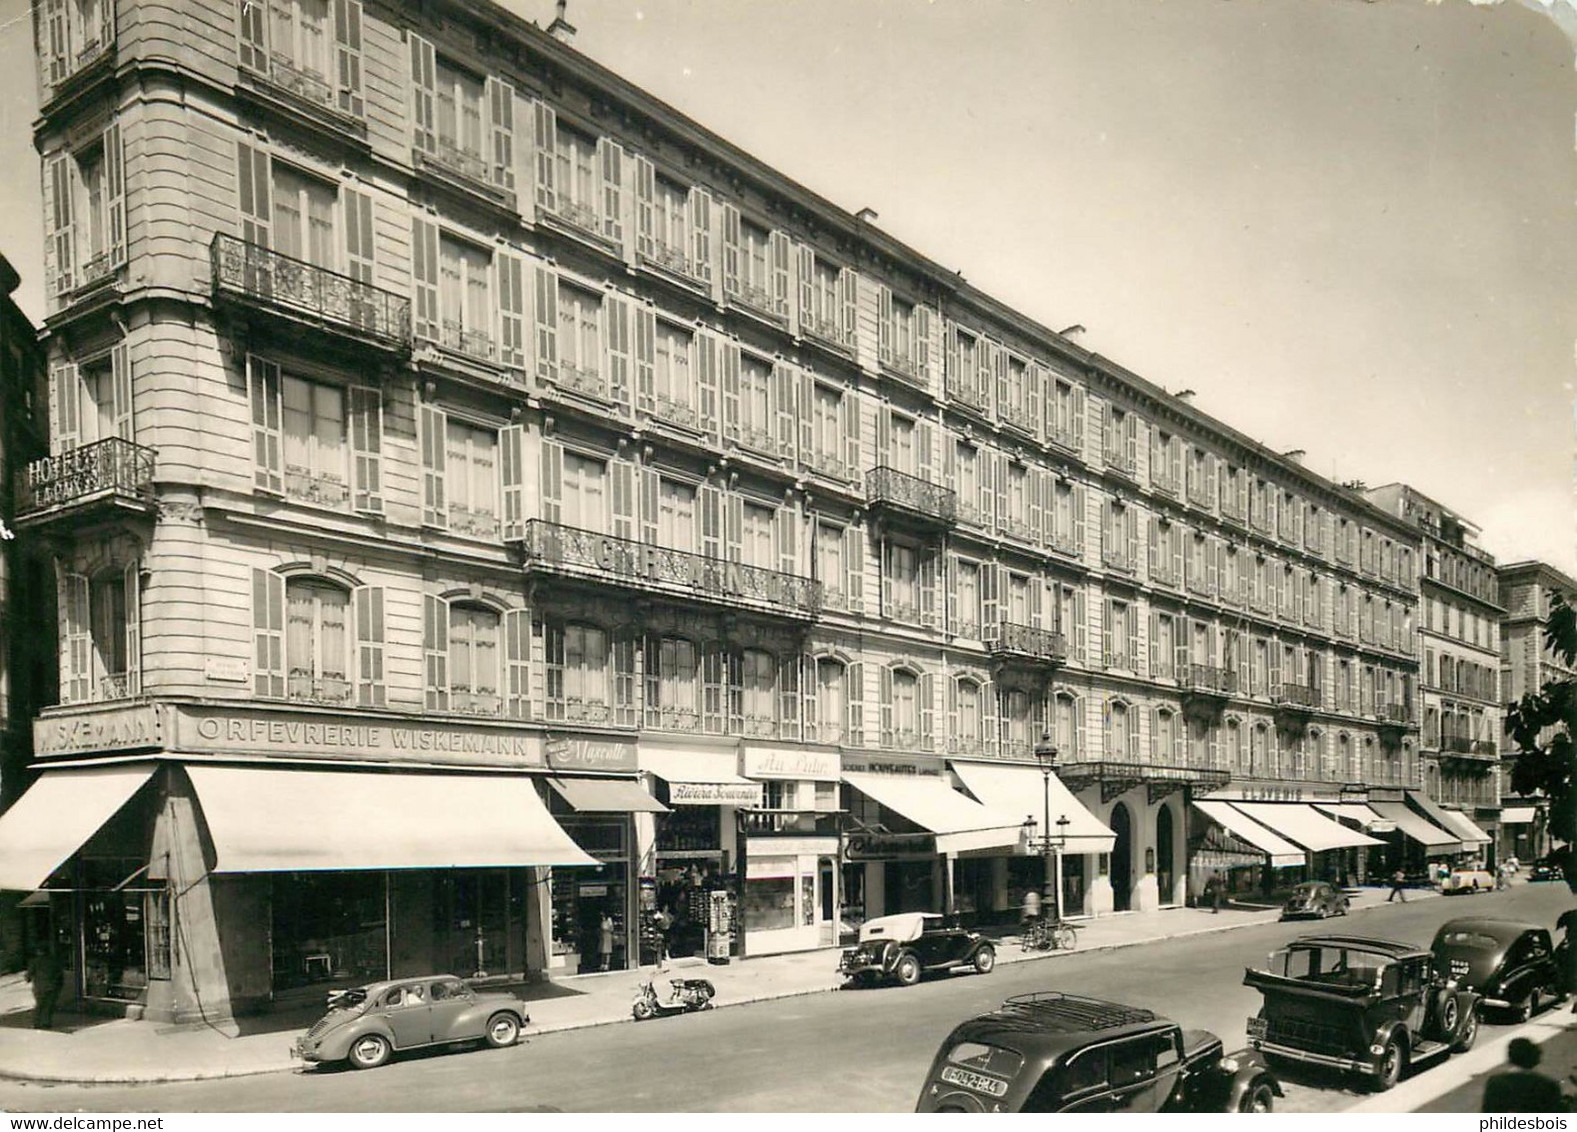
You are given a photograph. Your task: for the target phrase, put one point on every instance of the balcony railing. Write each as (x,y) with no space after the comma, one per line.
(305,85)
(972,514)
(450,158)
(307,688)
(119,685)
(1393,713)
(1209,678)
(473,523)
(1166,574)
(1260,522)
(1063,543)
(673,719)
(903,364)
(315,488)
(1027,642)
(668,257)
(253,272)
(464,701)
(1016,528)
(585,380)
(466,340)
(889,487)
(1203,586)
(1117,559)
(965,627)
(569,551)
(573,709)
(112,467)
(965,392)
(827,329)
(826,464)
(1199,494)
(577,214)
(1062,437)
(1119,461)
(1298,695)
(1017,416)
(1165,483)
(681,413)
(1232,509)
(754,296)
(1461,744)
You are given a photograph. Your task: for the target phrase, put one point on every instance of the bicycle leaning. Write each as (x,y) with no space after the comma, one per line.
(1049,935)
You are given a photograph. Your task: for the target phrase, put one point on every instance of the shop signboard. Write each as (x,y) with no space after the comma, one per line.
(115,729)
(747,794)
(1280,792)
(802,765)
(873,846)
(889,763)
(565,752)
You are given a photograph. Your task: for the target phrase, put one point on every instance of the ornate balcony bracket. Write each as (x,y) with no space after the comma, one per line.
(1116,779)
(1206,689)
(1025,647)
(1159,791)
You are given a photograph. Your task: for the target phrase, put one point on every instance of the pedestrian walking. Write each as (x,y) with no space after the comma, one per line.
(43,971)
(605,941)
(1398,879)
(1522,1088)
(1218,892)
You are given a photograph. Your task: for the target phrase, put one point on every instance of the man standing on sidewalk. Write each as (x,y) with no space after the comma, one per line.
(1523,1088)
(43,971)
(1398,879)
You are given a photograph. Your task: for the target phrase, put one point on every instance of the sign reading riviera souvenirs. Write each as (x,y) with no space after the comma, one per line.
(217,730)
(714,794)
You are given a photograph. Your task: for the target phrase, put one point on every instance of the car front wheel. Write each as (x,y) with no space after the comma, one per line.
(1392,1062)
(1259,1098)
(369,1051)
(907,970)
(985,959)
(502,1030)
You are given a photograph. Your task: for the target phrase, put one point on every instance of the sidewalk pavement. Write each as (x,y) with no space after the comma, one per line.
(125,1051)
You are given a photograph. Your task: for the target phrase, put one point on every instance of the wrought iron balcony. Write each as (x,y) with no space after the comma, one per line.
(465,701)
(252,274)
(1233,510)
(467,166)
(681,413)
(965,392)
(911,496)
(585,380)
(672,259)
(1117,558)
(303,687)
(466,340)
(1398,714)
(901,363)
(826,464)
(1063,543)
(1119,461)
(1062,437)
(1297,696)
(1116,775)
(1462,745)
(829,330)
(1209,679)
(1199,494)
(1018,417)
(1166,483)
(1025,643)
(114,471)
(1017,528)
(316,488)
(555,549)
(305,85)
(1167,574)
(573,709)
(1201,585)
(576,214)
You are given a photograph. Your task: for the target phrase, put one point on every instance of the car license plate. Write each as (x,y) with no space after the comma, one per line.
(1257,1027)
(979,1082)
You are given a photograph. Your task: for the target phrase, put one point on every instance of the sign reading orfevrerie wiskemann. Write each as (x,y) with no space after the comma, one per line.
(714,794)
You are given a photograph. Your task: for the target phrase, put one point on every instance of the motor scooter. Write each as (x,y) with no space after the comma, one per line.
(685,995)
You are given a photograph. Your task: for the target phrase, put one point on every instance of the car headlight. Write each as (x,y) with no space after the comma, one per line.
(1228,1065)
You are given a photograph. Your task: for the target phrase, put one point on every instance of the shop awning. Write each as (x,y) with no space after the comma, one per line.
(702,778)
(1431,837)
(265,819)
(57,815)
(1517,815)
(1303,825)
(606,796)
(1367,819)
(1009,789)
(959,822)
(1465,828)
(1280,853)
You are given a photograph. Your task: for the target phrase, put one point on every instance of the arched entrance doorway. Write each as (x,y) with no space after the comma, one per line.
(1165,878)
(1122,858)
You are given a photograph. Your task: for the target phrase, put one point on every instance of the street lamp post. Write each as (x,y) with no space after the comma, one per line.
(1046,756)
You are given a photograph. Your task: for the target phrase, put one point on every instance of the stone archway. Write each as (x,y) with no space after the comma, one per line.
(1122,858)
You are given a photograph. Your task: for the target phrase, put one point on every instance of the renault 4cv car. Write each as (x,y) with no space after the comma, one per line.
(1316,898)
(1372,1007)
(1053,1052)
(366,1025)
(902,947)
(1512,964)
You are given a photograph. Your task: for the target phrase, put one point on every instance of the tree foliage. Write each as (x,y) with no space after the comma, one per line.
(1541,725)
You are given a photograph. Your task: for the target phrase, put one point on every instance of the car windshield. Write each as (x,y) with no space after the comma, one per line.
(1330,964)
(1476,941)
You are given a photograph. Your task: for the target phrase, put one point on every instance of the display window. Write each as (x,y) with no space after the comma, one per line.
(329,926)
(771,887)
(125,930)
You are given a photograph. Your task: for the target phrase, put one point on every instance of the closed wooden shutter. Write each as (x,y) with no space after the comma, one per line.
(435,505)
(366,430)
(849,302)
(856,682)
(854,564)
(545,293)
(701,235)
(517,669)
(512,481)
(511,292)
(121,392)
(114,189)
(347,54)
(644,315)
(424,278)
(851,431)
(268,634)
(65,401)
(884,322)
(621,353)
(545,141)
(552,481)
(501,127)
(784,390)
(781,250)
(371,691)
(131,580)
(424,93)
(730,375)
(645,208)
(610,164)
(263,380)
(732,251)
(357,207)
(253,33)
(622,474)
(435,652)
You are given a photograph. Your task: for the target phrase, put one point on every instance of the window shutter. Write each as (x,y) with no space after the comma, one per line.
(76,653)
(370,688)
(545,288)
(807,417)
(927,324)
(359,257)
(788,550)
(707,384)
(993,377)
(1213,565)
(1108,639)
(849,301)
(1131,535)
(616,317)
(711,505)
(57,47)
(61,244)
(952,715)
(928,616)
(435,651)
(264,383)
(435,506)
(1155,540)
(781,252)
(851,431)
(1157,661)
(132,582)
(552,486)
(1078,520)
(925,689)
(120,391)
(1034,385)
(924,443)
(730,352)
(701,235)
(517,672)
(622,475)
(424,277)
(1079,412)
(1000,474)
(253,47)
(855,675)
(544,135)
(854,563)
(114,188)
(1275,667)
(783,390)
(990,616)
(366,440)
(512,481)
(885,698)
(651,505)
(645,206)
(731,251)
(884,322)
(610,161)
(809,685)
(424,92)
(1131,614)
(990,718)
(347,52)
(733,526)
(64,404)
(511,308)
(1180,647)
(789,701)
(268,634)
(950,610)
(1034,487)
(645,318)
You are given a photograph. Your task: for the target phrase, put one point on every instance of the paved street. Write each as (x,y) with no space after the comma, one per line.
(794,1054)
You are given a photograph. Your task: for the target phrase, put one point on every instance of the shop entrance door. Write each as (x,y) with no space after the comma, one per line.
(473,916)
(829,902)
(1073,885)
(1122,859)
(1164,875)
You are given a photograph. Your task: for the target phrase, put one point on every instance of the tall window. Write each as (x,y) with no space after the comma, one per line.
(831,701)
(903,582)
(464,296)
(577,673)
(316,642)
(756,533)
(474,661)
(473,482)
(672,685)
(676,515)
(672,377)
(459,103)
(111,618)
(966,737)
(755,403)
(1117,730)
(1018,724)
(580,333)
(1235,753)
(1165,745)
(670,225)
(304,217)
(905,710)
(966,600)
(827,428)
(584,498)
(755,263)
(575,175)
(759,672)
(315,450)
(1067,721)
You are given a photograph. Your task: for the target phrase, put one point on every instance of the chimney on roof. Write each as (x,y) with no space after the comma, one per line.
(1296,455)
(1186,395)
(561,29)
(866,214)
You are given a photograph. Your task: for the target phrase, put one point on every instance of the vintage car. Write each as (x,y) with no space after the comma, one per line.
(1468,880)
(365,1025)
(1545,871)
(1054,1052)
(902,947)
(1369,1006)
(1512,964)
(1314,898)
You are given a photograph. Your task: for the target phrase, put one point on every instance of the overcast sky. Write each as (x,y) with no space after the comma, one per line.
(1347,225)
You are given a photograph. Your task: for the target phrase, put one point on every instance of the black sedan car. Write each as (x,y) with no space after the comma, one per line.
(1545,871)
(1316,899)
(902,947)
(1053,1052)
(1512,964)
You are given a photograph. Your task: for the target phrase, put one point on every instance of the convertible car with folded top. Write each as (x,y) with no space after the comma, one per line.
(903,947)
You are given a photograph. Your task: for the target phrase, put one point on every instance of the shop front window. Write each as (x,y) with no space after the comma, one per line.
(769,894)
(328,926)
(115,932)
